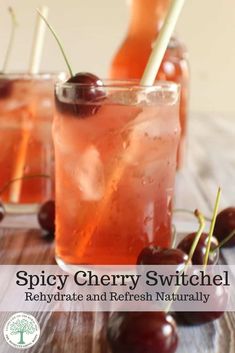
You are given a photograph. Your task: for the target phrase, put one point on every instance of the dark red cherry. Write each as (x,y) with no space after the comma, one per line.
(2,212)
(200,251)
(46,217)
(83,98)
(193,318)
(155,255)
(5,87)
(220,298)
(224,225)
(142,332)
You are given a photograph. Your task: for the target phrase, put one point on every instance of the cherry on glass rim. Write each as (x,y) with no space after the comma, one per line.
(83,97)
(142,332)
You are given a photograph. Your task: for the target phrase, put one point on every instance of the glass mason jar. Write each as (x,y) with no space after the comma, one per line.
(115,163)
(26,156)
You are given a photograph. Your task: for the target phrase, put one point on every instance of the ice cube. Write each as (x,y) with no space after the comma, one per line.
(150,135)
(90,175)
(141,130)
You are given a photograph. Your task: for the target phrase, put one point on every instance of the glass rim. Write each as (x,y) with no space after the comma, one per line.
(27,76)
(133,84)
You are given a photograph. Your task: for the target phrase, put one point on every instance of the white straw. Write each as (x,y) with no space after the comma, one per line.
(18,172)
(148,79)
(38,41)
(14,24)
(161,43)
(27,122)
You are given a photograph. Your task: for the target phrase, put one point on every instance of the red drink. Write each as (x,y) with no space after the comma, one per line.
(130,61)
(115,169)
(26,110)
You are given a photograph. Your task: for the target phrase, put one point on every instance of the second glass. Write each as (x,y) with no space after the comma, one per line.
(26,156)
(115,162)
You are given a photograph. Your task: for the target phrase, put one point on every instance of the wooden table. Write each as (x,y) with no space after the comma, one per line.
(210,162)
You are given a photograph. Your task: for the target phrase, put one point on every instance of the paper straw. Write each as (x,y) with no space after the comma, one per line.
(161,43)
(148,78)
(27,123)
(38,41)
(14,24)
(15,189)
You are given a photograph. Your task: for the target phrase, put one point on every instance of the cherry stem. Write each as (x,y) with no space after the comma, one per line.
(201,221)
(14,24)
(58,42)
(212,226)
(6,186)
(174,235)
(183,210)
(223,242)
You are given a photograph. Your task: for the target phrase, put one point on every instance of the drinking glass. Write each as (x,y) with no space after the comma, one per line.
(115,163)
(26,155)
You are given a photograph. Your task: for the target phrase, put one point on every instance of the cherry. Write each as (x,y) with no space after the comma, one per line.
(5,87)
(86,78)
(46,217)
(155,255)
(142,332)
(224,225)
(197,317)
(83,97)
(220,298)
(200,251)
(2,212)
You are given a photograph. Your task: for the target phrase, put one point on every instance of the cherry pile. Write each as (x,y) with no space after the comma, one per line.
(154,332)
(160,256)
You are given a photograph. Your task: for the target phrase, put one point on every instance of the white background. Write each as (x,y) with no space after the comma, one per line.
(91,31)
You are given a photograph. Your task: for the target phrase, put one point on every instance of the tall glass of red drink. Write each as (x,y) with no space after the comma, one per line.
(115,162)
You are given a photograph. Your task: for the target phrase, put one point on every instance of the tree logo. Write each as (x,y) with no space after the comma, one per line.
(21,331)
